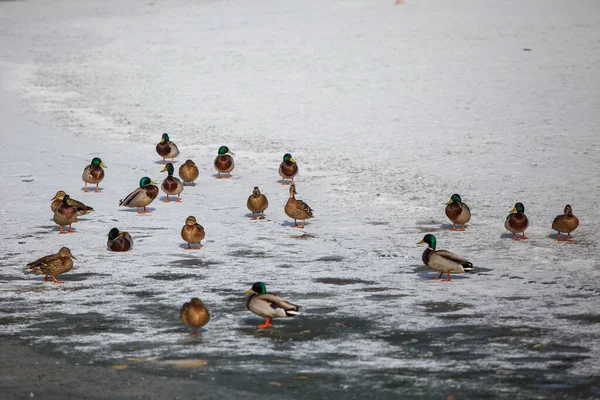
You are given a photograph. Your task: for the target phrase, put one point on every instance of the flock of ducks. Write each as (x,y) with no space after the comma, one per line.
(193,313)
(262,303)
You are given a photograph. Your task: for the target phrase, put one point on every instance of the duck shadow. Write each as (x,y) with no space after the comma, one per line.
(57,229)
(134,210)
(507,235)
(185,246)
(223,176)
(285,182)
(92,190)
(450,226)
(428,276)
(172,199)
(160,162)
(257,215)
(291,224)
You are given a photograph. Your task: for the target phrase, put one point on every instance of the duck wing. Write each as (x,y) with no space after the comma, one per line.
(130,200)
(271,305)
(446,261)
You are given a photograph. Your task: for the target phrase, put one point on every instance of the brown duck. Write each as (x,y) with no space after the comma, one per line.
(188,172)
(66,214)
(82,209)
(53,265)
(93,174)
(517,221)
(297,209)
(288,169)
(565,223)
(257,203)
(194,314)
(192,232)
(224,162)
(119,241)
(167,149)
(457,212)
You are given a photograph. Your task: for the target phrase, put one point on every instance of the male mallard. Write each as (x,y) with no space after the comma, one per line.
(517,221)
(224,162)
(443,261)
(257,203)
(192,232)
(297,209)
(93,173)
(268,305)
(57,200)
(566,223)
(53,265)
(288,169)
(66,214)
(141,196)
(188,172)
(119,241)
(167,149)
(458,212)
(171,185)
(194,314)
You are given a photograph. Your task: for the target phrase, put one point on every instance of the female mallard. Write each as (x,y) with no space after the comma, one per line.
(257,203)
(443,261)
(192,232)
(66,214)
(53,265)
(167,149)
(517,221)
(288,169)
(268,305)
(297,209)
(194,314)
(566,223)
(141,196)
(457,212)
(188,172)
(224,162)
(171,185)
(93,173)
(119,241)
(57,200)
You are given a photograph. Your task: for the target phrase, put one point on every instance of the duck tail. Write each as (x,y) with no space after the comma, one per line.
(467,266)
(291,313)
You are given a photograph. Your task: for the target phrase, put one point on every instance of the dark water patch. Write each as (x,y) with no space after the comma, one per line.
(385,297)
(341,281)
(285,266)
(195,262)
(14,320)
(587,318)
(515,298)
(12,278)
(157,311)
(304,236)
(330,258)
(442,307)
(170,276)
(142,294)
(79,276)
(323,310)
(375,289)
(378,223)
(455,316)
(557,348)
(89,323)
(249,253)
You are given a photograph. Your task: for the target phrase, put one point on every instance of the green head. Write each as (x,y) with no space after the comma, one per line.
(288,157)
(113,234)
(455,198)
(145,181)
(169,168)
(224,150)
(67,200)
(430,240)
(97,162)
(258,287)
(165,138)
(519,207)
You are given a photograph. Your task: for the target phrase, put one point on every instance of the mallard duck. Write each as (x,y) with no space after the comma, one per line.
(257,203)
(268,305)
(188,172)
(66,214)
(57,200)
(93,173)
(297,209)
(288,169)
(192,232)
(167,149)
(53,265)
(565,223)
(119,241)
(443,261)
(458,212)
(141,196)
(194,314)
(517,221)
(224,162)
(171,185)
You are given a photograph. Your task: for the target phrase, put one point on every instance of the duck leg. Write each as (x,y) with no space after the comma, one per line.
(56,280)
(97,190)
(295,224)
(46,279)
(189,247)
(219,175)
(515,237)
(85,189)
(61,230)
(302,226)
(164,161)
(462,228)
(228,175)
(438,278)
(195,333)
(167,200)
(453,227)
(178,199)
(198,248)
(448,278)
(523,237)
(262,215)
(266,324)
(253,217)
(568,238)
(558,238)
(70,229)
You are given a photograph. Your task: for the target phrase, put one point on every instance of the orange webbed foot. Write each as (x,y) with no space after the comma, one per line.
(195,333)
(266,324)
(453,228)
(523,237)
(56,280)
